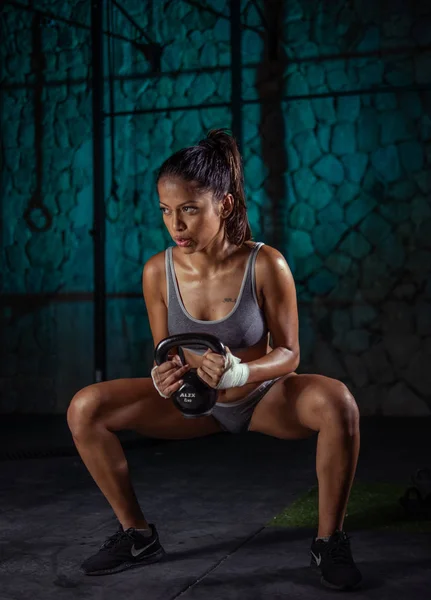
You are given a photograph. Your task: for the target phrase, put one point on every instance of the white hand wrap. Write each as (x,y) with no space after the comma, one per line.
(235,375)
(155,384)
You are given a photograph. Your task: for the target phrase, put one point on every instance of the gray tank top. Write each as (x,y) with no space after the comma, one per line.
(243,327)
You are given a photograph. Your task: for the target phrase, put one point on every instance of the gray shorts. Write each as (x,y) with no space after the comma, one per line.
(235,417)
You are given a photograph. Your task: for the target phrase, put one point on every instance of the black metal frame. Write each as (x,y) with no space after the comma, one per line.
(99,209)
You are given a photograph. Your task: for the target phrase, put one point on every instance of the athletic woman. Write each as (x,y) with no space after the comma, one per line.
(216,280)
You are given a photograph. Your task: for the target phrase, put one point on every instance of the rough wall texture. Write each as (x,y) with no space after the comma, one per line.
(337,178)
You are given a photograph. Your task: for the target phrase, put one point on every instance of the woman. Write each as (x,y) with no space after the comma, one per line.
(216,280)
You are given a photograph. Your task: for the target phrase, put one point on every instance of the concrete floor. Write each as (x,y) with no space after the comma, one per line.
(210,499)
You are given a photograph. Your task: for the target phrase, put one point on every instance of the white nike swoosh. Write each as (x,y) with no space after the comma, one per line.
(136,552)
(318,560)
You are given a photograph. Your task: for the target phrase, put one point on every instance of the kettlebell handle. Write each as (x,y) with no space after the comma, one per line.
(201,339)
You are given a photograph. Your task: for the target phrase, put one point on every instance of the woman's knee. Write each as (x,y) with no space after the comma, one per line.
(339,405)
(84,408)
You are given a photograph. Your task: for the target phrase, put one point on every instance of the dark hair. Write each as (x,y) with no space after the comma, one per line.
(215,165)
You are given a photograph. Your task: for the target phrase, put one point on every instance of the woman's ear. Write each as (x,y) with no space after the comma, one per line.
(226,206)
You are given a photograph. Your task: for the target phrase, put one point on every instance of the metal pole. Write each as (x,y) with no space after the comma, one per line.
(236,70)
(98,192)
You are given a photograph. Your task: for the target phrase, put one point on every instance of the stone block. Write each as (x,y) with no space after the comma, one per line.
(209,54)
(406,291)
(324,110)
(423,318)
(337,80)
(400,401)
(257,172)
(296,85)
(203,87)
(348,108)
(397,316)
(355,245)
(415,264)
(424,181)
(322,282)
(315,75)
(307,50)
(356,370)
(369,399)
(343,139)
(386,163)
(374,228)
(396,212)
(420,215)
(46,251)
(326,237)
(302,217)
(358,209)
(307,147)
(132,244)
(346,192)
(423,67)
(307,265)
(399,72)
(340,320)
(368,130)
(371,75)
(301,244)
(323,135)
(410,104)
(411,155)
(321,195)
(293,162)
(363,314)
(326,361)
(183,82)
(400,347)
(355,165)
(424,231)
(333,213)
(375,280)
(391,250)
(303,180)
(172,56)
(338,263)
(17,260)
(421,30)
(356,340)
(379,368)
(300,116)
(385,101)
(222,30)
(403,190)
(187,129)
(395,127)
(330,169)
(297,32)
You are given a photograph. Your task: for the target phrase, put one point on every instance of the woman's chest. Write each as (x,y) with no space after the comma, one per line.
(211,299)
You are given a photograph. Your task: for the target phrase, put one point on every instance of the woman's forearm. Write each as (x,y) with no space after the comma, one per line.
(276,363)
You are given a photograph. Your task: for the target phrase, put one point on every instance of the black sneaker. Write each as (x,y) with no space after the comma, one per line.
(124,550)
(334,560)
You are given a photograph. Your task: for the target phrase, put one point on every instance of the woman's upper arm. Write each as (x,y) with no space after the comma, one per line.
(156,308)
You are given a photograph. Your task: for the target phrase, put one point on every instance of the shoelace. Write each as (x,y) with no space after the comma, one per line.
(339,550)
(115,539)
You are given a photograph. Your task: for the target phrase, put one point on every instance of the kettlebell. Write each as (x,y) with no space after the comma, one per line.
(194,398)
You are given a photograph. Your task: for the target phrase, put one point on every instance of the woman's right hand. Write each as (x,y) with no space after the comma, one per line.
(167,377)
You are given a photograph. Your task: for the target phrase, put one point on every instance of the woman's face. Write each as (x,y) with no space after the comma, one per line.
(189,214)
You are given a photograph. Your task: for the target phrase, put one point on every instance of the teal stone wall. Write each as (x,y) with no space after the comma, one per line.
(336,149)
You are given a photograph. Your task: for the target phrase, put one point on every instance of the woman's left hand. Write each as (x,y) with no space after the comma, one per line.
(212,367)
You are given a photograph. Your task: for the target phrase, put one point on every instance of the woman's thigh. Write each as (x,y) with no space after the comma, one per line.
(286,411)
(135,404)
